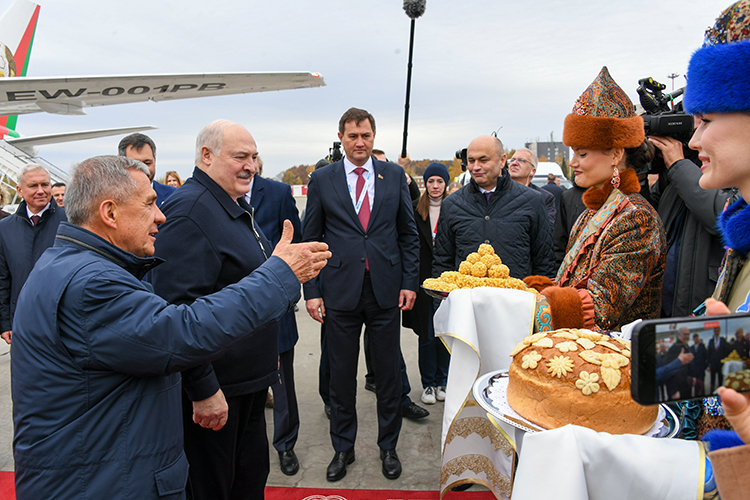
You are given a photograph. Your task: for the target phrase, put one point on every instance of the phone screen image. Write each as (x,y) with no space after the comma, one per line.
(697,355)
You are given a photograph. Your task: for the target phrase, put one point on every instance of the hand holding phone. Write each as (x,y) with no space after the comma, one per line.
(676,359)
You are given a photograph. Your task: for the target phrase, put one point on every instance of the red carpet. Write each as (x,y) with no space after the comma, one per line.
(7,486)
(8,492)
(276,493)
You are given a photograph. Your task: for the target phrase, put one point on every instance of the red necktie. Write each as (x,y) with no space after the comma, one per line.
(35,219)
(364,211)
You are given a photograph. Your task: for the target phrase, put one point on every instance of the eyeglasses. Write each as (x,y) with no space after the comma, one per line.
(519,160)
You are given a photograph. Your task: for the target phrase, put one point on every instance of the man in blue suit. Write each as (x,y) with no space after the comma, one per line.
(361,207)
(142,148)
(273,203)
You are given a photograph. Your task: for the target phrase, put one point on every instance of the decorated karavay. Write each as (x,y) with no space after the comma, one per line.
(580,377)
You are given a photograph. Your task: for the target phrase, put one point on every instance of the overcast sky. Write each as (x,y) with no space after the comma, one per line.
(479,65)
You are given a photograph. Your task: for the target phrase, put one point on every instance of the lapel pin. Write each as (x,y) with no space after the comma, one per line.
(380,176)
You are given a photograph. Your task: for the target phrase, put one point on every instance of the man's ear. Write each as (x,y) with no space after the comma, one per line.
(108,213)
(206,155)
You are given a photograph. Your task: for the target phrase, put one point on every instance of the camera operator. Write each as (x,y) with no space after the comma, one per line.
(689,213)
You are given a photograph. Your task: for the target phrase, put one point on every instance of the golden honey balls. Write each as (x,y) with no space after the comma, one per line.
(479,270)
(498,271)
(485,249)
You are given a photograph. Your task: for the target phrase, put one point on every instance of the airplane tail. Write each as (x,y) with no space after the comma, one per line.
(17,28)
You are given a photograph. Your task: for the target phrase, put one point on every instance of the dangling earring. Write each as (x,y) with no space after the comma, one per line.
(616,178)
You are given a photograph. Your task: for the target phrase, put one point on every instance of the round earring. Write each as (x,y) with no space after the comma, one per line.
(616,178)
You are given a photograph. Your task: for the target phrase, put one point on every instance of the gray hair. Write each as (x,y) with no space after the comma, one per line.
(534,159)
(29,167)
(97,179)
(211,137)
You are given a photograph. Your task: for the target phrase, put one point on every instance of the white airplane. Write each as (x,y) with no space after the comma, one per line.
(20,94)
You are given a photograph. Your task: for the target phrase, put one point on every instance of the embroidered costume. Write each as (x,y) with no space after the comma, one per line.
(613,269)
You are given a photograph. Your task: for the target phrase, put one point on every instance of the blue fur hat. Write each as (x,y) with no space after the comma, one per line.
(717,79)
(717,75)
(438,169)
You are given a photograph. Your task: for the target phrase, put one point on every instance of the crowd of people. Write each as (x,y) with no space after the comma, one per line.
(134,378)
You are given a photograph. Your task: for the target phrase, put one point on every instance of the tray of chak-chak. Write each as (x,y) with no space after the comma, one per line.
(482,268)
(490,391)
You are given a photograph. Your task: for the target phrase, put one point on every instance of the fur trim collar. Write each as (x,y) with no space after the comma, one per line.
(717,79)
(595,198)
(734,224)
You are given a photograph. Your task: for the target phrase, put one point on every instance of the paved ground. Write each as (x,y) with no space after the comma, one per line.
(418,448)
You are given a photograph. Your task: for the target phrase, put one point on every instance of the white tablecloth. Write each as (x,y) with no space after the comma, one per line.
(576,463)
(480,327)
(732,366)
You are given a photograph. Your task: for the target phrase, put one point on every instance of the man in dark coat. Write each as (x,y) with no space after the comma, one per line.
(361,207)
(741,343)
(24,237)
(694,246)
(273,203)
(142,148)
(718,349)
(493,209)
(571,206)
(699,362)
(97,355)
(211,241)
(678,381)
(553,188)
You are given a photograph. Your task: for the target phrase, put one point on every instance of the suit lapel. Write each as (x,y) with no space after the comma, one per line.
(380,186)
(257,194)
(341,188)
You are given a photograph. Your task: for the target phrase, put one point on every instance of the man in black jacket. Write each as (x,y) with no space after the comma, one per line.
(24,237)
(718,349)
(211,241)
(571,206)
(493,209)
(553,187)
(689,213)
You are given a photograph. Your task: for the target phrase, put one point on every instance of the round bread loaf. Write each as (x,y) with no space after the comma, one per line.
(576,377)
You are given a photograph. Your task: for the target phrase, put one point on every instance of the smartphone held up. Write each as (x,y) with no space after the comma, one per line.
(675,359)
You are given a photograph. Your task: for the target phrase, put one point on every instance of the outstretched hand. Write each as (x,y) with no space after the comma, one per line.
(305,259)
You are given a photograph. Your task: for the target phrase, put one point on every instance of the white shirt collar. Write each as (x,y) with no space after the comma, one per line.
(29,213)
(349,166)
